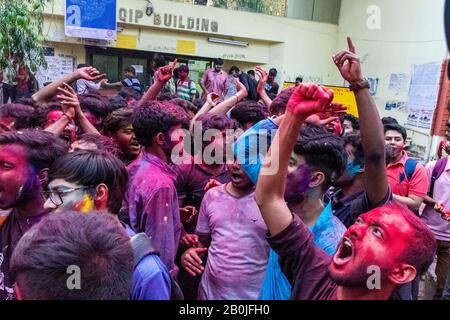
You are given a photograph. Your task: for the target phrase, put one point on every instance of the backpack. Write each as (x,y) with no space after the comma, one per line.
(410,167)
(438,169)
(142,247)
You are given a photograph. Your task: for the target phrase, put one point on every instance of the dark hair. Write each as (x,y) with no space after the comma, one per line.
(23,114)
(28,101)
(95,104)
(117,120)
(279,104)
(131,70)
(159,61)
(447,124)
(389,120)
(218,61)
(322,151)
(183,68)
(233,68)
(186,105)
(251,72)
(155,117)
(215,121)
(248,112)
(117,102)
(273,71)
(166,96)
(95,243)
(130,93)
(82,65)
(422,244)
(354,120)
(42,147)
(299,79)
(396,127)
(354,139)
(91,168)
(100,141)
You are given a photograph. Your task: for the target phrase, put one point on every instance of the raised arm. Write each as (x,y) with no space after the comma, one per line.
(211,101)
(162,75)
(307,100)
(261,88)
(88,73)
(371,128)
(223,107)
(71,97)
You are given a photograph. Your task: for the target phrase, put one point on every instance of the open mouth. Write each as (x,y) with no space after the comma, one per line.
(344,252)
(236,177)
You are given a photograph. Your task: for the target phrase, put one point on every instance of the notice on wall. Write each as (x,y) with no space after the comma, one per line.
(423,95)
(399,83)
(342,95)
(58,66)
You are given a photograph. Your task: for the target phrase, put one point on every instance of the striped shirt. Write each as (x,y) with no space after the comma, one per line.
(186,89)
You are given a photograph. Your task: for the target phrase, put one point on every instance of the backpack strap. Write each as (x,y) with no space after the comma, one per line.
(438,169)
(142,247)
(410,167)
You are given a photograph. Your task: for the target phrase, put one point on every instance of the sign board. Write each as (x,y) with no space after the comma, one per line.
(342,95)
(91,19)
(58,66)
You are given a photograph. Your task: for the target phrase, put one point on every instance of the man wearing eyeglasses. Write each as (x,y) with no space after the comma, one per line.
(95,180)
(25,157)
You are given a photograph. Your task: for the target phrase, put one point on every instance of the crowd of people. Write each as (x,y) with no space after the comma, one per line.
(244,192)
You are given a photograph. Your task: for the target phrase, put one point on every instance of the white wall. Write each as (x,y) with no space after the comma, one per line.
(412,32)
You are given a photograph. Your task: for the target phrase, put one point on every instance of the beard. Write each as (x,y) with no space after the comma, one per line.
(359,277)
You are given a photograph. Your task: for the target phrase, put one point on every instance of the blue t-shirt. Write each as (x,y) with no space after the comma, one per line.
(151,280)
(327,231)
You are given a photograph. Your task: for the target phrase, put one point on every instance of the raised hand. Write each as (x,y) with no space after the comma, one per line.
(309,99)
(212,98)
(90,73)
(191,260)
(164,74)
(69,100)
(348,63)
(263,76)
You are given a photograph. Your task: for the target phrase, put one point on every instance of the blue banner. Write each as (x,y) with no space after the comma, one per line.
(92,19)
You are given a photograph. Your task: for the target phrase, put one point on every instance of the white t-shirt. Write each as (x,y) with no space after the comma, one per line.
(238,253)
(83,86)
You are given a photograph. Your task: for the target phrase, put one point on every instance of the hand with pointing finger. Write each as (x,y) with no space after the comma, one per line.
(347,61)
(164,74)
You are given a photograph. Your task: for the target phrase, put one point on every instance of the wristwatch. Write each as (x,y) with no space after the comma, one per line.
(362,84)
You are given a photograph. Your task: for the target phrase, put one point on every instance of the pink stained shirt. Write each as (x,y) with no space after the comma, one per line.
(418,185)
(215,81)
(439,227)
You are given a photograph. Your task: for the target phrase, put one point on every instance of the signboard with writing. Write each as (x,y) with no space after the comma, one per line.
(58,66)
(342,95)
(92,19)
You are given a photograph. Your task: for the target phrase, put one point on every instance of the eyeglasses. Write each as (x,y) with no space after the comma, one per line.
(56,196)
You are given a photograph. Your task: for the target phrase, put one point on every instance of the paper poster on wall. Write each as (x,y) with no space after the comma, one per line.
(373,85)
(58,66)
(423,94)
(398,83)
(342,95)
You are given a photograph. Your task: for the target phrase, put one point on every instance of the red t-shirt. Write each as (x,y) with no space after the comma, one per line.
(418,185)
